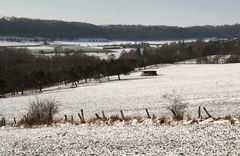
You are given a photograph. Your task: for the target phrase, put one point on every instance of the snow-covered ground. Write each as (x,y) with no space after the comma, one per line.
(217,87)
(7,43)
(203,139)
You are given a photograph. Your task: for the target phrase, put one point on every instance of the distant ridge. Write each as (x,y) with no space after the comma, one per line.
(55,29)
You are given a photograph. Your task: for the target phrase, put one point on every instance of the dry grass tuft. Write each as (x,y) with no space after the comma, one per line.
(114,118)
(194,121)
(139,119)
(230,119)
(216,118)
(92,121)
(162,120)
(128,119)
(169,120)
(154,117)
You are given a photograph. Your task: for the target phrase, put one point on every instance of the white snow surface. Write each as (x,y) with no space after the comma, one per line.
(204,139)
(216,87)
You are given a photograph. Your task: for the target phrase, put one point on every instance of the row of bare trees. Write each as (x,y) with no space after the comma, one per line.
(20,70)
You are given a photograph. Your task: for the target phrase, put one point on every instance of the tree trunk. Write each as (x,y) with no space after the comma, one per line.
(40,87)
(76,84)
(119,77)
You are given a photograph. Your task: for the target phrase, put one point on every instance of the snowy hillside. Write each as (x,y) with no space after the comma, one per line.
(216,87)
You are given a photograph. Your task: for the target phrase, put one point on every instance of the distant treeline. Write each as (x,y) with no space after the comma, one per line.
(181,51)
(52,29)
(20,70)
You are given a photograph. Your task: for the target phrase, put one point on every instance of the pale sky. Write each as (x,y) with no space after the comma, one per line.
(146,12)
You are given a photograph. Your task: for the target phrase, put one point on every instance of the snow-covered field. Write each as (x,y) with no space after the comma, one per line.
(205,139)
(217,87)
(7,43)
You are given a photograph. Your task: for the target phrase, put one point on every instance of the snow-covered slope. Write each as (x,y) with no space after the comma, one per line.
(217,87)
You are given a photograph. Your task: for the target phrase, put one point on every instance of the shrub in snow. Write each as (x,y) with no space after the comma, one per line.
(176,105)
(40,112)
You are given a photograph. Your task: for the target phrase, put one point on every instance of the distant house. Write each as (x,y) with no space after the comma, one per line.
(149,73)
(46,43)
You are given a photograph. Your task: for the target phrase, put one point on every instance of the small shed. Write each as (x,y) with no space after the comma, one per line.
(46,43)
(149,73)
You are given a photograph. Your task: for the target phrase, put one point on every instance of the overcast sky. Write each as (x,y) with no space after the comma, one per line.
(147,12)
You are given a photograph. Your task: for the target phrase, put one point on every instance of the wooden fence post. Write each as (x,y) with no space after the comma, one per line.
(123,118)
(199,113)
(72,119)
(79,115)
(148,115)
(82,116)
(15,122)
(103,115)
(98,117)
(66,119)
(175,115)
(3,123)
(207,112)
